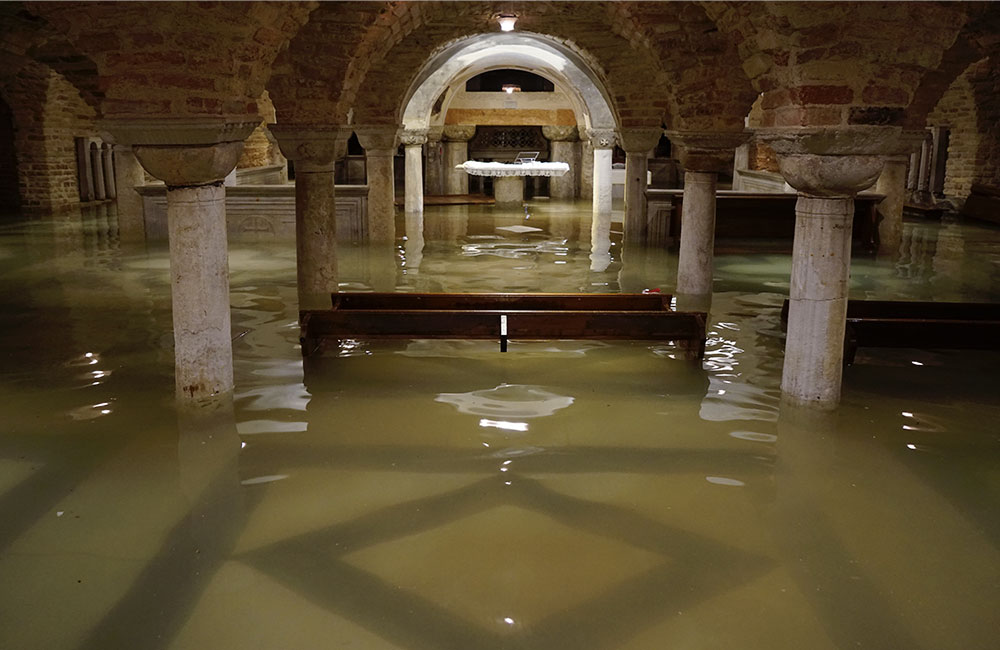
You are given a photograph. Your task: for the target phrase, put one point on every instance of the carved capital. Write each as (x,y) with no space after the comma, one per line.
(639,140)
(435,133)
(380,138)
(174,132)
(560,133)
(707,151)
(413,137)
(832,161)
(316,145)
(186,166)
(601,138)
(459,132)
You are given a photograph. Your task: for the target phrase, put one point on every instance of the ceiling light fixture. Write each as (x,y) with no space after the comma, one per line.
(506,22)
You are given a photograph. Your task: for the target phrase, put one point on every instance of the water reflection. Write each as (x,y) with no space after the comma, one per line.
(592,495)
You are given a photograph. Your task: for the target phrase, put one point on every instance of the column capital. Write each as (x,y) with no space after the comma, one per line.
(318,145)
(832,161)
(639,140)
(377,137)
(184,152)
(459,132)
(560,133)
(435,133)
(602,138)
(707,151)
(413,137)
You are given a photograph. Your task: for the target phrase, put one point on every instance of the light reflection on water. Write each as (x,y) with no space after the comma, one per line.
(441,494)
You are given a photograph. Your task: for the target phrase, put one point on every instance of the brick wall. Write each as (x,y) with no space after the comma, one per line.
(48,115)
(970,111)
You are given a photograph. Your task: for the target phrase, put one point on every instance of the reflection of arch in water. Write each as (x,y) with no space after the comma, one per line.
(507,401)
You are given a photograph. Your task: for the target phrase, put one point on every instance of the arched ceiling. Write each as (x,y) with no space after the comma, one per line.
(468,57)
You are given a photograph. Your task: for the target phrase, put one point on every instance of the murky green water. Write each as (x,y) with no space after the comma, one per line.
(439,495)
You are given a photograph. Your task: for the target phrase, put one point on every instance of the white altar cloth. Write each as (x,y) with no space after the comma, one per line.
(477,168)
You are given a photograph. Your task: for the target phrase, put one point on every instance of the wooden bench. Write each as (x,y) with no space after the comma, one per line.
(503,316)
(922,325)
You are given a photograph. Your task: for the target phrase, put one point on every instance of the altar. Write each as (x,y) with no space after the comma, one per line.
(508,186)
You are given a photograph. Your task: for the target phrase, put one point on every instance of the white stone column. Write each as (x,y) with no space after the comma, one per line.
(434,162)
(638,145)
(192,159)
(456,152)
(380,144)
(891,183)
(109,172)
(314,150)
(828,166)
(603,142)
(695,262)
(586,186)
(128,176)
(562,144)
(97,166)
(413,141)
(703,155)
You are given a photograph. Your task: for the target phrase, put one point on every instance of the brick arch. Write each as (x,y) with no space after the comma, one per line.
(639,96)
(838,63)
(177,58)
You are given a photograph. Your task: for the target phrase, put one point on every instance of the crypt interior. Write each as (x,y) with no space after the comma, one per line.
(185,185)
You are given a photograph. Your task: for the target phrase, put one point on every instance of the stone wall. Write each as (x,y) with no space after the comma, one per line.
(260,149)
(970,111)
(9,197)
(48,115)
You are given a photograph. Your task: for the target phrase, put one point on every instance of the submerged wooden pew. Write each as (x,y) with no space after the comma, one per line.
(923,325)
(503,316)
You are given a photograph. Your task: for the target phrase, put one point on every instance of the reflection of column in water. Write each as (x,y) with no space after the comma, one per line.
(446,223)
(950,253)
(382,266)
(633,276)
(414,247)
(64,234)
(600,244)
(563,226)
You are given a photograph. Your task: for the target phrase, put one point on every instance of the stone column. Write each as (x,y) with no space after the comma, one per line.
(603,142)
(193,156)
(97,165)
(828,166)
(128,176)
(109,172)
(892,183)
(586,185)
(562,149)
(741,161)
(380,144)
(434,162)
(456,152)
(638,145)
(314,150)
(923,178)
(703,155)
(413,141)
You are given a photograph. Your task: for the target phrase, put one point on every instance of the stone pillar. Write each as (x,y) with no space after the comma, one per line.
(456,152)
(892,183)
(434,162)
(109,172)
(380,144)
(314,150)
(586,185)
(562,149)
(128,176)
(828,166)
(97,165)
(413,142)
(86,177)
(192,157)
(703,155)
(508,190)
(638,145)
(603,142)
(913,178)
(923,178)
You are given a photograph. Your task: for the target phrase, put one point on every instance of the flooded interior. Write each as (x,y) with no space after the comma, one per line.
(432,495)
